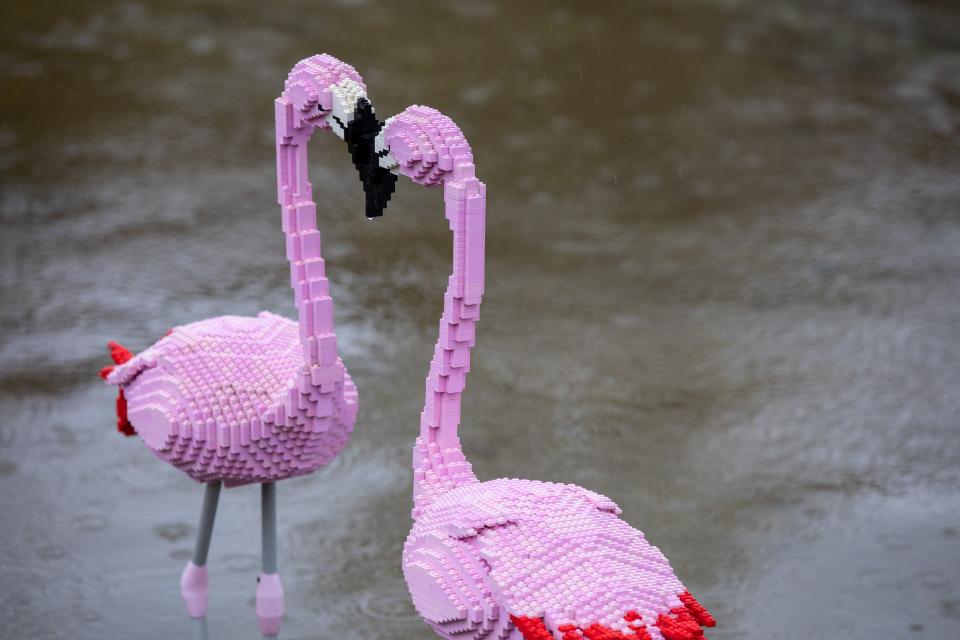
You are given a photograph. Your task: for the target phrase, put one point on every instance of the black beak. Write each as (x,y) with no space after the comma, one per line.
(361,135)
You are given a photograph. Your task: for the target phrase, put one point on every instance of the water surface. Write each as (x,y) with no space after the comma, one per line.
(723,289)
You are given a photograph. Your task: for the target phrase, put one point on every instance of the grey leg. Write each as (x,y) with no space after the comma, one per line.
(194,583)
(199,628)
(210,499)
(269,588)
(268,515)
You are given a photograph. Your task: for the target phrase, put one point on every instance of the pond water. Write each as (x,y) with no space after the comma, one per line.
(723,289)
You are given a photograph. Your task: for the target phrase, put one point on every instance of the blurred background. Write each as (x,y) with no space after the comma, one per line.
(724,267)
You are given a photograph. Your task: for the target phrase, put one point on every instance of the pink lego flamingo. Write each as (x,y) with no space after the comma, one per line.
(510,559)
(234,400)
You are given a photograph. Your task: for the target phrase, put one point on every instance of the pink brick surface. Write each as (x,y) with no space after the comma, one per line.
(507,558)
(257,399)
(261,399)
(488,550)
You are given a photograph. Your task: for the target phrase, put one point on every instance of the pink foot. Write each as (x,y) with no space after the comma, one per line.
(194,586)
(269,603)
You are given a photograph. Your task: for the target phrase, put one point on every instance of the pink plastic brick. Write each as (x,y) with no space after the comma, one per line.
(234,400)
(257,399)
(507,558)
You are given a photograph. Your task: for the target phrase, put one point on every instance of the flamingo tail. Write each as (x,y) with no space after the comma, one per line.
(682,623)
(119,354)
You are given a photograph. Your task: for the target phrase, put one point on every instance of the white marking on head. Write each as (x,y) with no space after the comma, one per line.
(384,157)
(344,96)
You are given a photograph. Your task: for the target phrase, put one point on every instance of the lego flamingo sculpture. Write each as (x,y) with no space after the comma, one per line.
(234,400)
(507,558)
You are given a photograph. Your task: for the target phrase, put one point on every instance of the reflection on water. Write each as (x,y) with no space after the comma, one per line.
(723,290)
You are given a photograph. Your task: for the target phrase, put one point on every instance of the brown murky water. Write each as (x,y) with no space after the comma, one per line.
(724,289)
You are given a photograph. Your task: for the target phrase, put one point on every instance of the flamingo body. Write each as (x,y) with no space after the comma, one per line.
(510,559)
(234,400)
(243,400)
(487,554)
(229,399)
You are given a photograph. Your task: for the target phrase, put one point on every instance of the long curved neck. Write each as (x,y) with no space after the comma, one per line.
(438,461)
(311,291)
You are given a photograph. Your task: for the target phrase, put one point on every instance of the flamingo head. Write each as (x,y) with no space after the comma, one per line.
(421,143)
(424,145)
(325,93)
(353,119)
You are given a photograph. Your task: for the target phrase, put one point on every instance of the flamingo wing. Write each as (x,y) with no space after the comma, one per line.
(555,561)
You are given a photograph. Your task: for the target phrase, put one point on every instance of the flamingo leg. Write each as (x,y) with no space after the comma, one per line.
(269,602)
(268,515)
(200,629)
(211,498)
(194,583)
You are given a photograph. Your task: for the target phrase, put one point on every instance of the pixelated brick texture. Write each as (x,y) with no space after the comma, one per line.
(487,551)
(257,399)
(307,96)
(431,150)
(230,399)
(510,559)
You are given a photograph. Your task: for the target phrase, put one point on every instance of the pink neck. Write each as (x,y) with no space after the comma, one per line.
(311,292)
(439,463)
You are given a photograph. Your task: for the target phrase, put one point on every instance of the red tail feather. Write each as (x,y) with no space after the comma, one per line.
(535,629)
(697,610)
(119,354)
(531,628)
(681,626)
(123,424)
